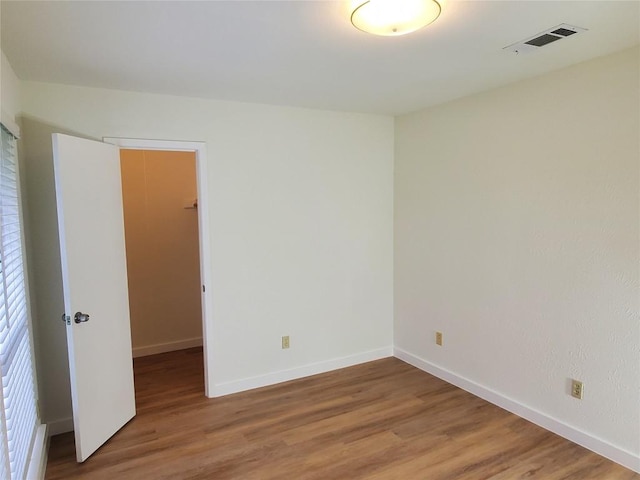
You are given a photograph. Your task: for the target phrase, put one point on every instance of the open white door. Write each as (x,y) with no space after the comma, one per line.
(94,275)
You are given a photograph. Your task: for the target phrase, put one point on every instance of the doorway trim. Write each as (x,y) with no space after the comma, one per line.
(200,150)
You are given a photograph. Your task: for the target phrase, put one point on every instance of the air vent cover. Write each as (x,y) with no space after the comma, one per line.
(538,41)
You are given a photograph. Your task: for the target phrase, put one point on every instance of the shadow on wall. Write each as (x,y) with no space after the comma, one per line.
(35,154)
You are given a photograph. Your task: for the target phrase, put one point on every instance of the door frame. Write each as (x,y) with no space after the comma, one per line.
(200,150)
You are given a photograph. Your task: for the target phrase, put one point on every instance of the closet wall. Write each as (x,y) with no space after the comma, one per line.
(161,230)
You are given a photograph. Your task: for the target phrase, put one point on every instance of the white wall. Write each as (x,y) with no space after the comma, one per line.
(43,254)
(9,91)
(301,220)
(517,236)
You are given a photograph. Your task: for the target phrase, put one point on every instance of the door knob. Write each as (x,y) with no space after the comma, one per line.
(80,317)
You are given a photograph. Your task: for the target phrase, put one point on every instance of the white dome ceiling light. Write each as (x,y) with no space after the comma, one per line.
(393,17)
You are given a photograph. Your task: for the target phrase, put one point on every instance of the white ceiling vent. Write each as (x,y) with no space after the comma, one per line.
(538,41)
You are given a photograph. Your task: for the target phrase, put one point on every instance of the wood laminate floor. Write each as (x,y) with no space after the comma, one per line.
(379,421)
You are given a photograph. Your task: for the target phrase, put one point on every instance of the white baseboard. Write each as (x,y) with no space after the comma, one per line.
(601,447)
(228,388)
(166,347)
(39,452)
(62,425)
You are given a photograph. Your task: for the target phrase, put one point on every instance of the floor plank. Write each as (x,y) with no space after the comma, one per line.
(381,420)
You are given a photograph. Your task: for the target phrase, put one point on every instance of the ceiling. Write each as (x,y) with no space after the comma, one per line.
(300,53)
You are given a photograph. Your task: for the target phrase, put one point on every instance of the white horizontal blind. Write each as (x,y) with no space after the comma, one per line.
(4,446)
(19,413)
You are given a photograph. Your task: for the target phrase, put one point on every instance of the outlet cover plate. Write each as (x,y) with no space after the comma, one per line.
(577,389)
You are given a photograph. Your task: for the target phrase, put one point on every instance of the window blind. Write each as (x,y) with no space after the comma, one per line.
(19,414)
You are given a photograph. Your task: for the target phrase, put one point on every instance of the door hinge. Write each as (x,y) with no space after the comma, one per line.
(66,319)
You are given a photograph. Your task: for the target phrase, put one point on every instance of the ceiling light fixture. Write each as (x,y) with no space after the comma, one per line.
(393,17)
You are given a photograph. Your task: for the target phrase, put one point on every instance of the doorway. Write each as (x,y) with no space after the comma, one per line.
(160,201)
(164,196)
